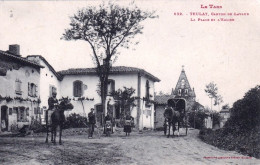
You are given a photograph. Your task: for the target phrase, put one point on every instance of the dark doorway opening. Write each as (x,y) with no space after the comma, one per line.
(99,114)
(117,111)
(4,118)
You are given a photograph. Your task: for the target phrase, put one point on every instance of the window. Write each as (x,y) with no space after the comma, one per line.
(18,86)
(37,110)
(32,90)
(147,88)
(186,91)
(110,86)
(21,117)
(52,89)
(27,111)
(179,92)
(77,88)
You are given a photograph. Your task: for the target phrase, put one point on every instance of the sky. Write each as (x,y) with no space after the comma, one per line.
(226,53)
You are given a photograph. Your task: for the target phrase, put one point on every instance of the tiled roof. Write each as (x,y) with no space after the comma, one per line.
(162,99)
(183,76)
(114,70)
(19,59)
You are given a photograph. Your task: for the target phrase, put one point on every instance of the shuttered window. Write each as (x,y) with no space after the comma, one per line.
(77,88)
(147,91)
(18,86)
(21,116)
(32,90)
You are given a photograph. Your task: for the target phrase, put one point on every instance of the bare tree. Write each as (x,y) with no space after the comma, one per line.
(106,28)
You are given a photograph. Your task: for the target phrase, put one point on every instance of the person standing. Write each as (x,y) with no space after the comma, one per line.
(92,122)
(128,124)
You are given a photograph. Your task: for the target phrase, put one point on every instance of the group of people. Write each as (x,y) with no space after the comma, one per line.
(109,119)
(53,103)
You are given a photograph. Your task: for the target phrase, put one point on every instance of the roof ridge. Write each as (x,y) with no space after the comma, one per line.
(23,59)
(114,69)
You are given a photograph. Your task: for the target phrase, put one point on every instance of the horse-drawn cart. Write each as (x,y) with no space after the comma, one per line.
(175,113)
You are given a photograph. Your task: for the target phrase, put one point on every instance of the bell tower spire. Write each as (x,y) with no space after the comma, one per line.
(183,88)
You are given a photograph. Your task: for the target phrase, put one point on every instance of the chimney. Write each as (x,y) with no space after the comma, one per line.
(14,49)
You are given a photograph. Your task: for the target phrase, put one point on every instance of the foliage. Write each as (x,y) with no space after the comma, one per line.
(212,92)
(8,99)
(245,113)
(216,118)
(75,121)
(218,100)
(196,119)
(226,106)
(241,131)
(125,98)
(247,143)
(106,28)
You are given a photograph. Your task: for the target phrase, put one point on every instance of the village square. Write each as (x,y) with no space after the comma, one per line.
(106,111)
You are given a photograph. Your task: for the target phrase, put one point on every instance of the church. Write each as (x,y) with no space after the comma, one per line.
(183,90)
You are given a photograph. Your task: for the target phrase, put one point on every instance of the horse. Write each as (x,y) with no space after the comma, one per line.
(171,118)
(57,119)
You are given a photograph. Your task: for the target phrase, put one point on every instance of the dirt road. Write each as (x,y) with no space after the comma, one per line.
(145,149)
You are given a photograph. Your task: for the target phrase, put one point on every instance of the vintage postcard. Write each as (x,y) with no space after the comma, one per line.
(130,82)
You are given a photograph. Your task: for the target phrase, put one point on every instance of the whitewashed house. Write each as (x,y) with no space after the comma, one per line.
(19,86)
(83,83)
(29,82)
(50,82)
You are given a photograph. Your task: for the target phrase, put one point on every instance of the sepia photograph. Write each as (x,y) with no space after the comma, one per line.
(144,82)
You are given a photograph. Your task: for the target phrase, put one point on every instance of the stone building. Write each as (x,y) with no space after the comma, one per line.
(184,90)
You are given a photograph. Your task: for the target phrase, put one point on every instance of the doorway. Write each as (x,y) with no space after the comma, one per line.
(4,118)
(99,114)
(117,111)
